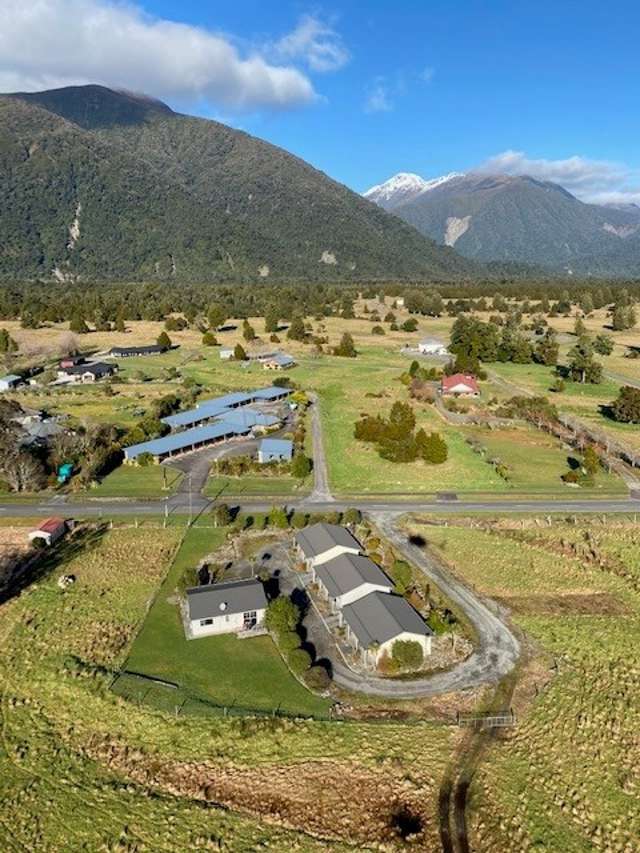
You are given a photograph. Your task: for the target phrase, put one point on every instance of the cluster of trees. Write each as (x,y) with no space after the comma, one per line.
(626,407)
(281,518)
(8,345)
(396,438)
(237,466)
(583,472)
(283,619)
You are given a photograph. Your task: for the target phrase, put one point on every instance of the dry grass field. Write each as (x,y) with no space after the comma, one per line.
(566,778)
(81,768)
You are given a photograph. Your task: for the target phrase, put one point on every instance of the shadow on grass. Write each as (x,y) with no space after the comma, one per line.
(39,565)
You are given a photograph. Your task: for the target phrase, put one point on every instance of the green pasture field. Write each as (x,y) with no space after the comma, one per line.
(132,481)
(221,487)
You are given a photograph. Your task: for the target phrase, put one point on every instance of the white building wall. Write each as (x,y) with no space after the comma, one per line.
(330,555)
(225,623)
(360,592)
(387,647)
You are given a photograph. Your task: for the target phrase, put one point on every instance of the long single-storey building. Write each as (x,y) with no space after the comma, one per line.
(225,608)
(216,407)
(186,441)
(347,578)
(322,542)
(378,620)
(129,352)
(275,450)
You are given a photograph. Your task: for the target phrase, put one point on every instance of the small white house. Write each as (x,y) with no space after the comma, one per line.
(275,450)
(49,531)
(378,620)
(349,577)
(9,382)
(432,346)
(226,353)
(322,542)
(225,608)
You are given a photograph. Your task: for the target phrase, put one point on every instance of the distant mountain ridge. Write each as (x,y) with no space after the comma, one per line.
(517,219)
(105,185)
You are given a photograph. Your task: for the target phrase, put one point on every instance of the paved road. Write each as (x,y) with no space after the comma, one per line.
(179,505)
(321,492)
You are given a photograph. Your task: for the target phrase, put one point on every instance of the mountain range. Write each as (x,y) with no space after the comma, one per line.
(105,185)
(517,219)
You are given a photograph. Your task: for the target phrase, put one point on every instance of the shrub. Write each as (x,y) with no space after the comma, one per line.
(145,459)
(402,576)
(407,654)
(299,661)
(317,678)
(626,407)
(282,615)
(163,339)
(352,516)
(299,520)
(209,340)
(278,518)
(300,466)
(378,330)
(288,641)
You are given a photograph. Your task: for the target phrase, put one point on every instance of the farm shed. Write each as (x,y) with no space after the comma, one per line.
(49,531)
(9,382)
(132,352)
(225,608)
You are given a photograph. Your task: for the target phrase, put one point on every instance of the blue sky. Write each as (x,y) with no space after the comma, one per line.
(366,89)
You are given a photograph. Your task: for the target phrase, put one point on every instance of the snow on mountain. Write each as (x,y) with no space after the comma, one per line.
(402,187)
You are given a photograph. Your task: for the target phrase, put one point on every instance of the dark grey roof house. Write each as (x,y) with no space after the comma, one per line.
(322,542)
(350,576)
(224,608)
(127,352)
(377,620)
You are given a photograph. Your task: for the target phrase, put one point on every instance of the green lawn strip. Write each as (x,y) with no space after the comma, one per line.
(131,481)
(221,669)
(221,487)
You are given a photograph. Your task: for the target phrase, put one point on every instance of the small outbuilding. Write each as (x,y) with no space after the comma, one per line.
(376,621)
(49,531)
(322,542)
(225,608)
(459,385)
(432,346)
(349,577)
(9,382)
(226,353)
(275,450)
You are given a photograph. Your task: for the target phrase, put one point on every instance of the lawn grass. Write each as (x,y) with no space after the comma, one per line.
(222,669)
(221,487)
(132,481)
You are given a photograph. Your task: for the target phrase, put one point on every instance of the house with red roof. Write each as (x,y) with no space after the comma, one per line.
(459,385)
(49,531)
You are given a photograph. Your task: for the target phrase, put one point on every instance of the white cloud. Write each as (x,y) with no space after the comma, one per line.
(598,181)
(316,43)
(427,74)
(379,98)
(47,43)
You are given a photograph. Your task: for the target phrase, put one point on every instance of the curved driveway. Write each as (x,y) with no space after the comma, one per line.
(496,649)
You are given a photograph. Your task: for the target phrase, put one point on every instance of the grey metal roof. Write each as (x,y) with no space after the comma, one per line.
(179,440)
(194,416)
(245,416)
(276,446)
(98,368)
(349,571)
(323,537)
(219,599)
(274,392)
(381,616)
(150,349)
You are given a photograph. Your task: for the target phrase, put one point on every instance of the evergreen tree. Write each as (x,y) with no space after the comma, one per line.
(239,353)
(78,325)
(603,345)
(582,367)
(547,349)
(346,348)
(163,340)
(297,331)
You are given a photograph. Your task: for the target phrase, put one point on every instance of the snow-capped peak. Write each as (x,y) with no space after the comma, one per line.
(404,186)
